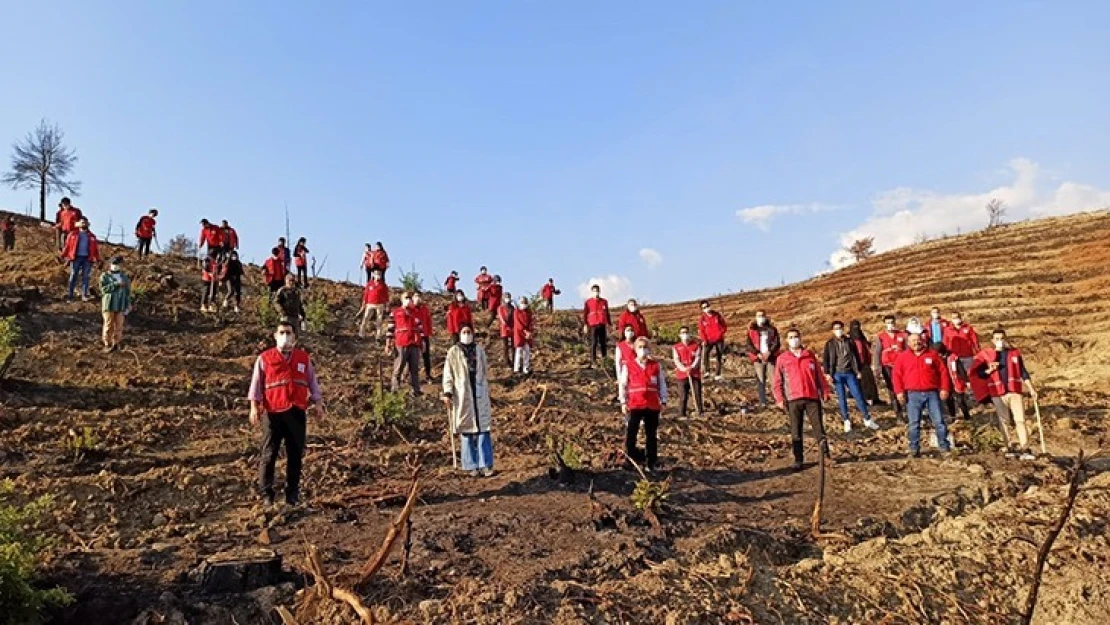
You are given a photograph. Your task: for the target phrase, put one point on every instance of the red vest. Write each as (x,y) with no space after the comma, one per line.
(424,314)
(635,320)
(376,293)
(522,322)
(685,354)
(505,318)
(274,268)
(493,296)
(959,382)
(145,229)
(643,385)
(627,351)
(712,327)
(1014,382)
(892,346)
(458,315)
(547,292)
(406,327)
(449,283)
(300,256)
(285,381)
(597,312)
(379,260)
(961,341)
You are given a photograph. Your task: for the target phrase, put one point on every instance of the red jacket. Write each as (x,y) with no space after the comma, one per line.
(505,320)
(69,248)
(379,260)
(483,280)
(688,356)
(1015,367)
(285,381)
(458,315)
(634,319)
(712,327)
(920,372)
(626,352)
(956,372)
(596,312)
(424,314)
(493,296)
(145,228)
(406,327)
(774,341)
(7,225)
(892,346)
(962,341)
(799,377)
(375,293)
(300,255)
(366,259)
(211,236)
(68,218)
(273,270)
(548,291)
(523,327)
(449,283)
(230,238)
(643,385)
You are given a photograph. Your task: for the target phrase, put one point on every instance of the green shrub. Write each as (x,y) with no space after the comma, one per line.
(81,443)
(317,314)
(665,334)
(267,312)
(650,495)
(411,280)
(388,408)
(21,601)
(9,335)
(568,451)
(987,438)
(139,296)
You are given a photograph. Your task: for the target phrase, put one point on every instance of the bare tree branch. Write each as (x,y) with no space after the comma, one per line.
(42,161)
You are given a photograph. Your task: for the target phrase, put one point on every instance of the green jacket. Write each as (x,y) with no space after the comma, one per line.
(116,289)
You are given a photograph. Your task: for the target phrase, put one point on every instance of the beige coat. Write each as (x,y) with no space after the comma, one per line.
(456,382)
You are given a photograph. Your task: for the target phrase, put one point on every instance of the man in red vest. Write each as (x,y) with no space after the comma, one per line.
(424,314)
(375,297)
(963,342)
(712,329)
(458,316)
(596,319)
(505,321)
(960,382)
(548,293)
(1003,368)
(210,237)
(145,231)
(283,389)
(643,399)
(631,317)
(66,222)
(229,237)
(686,354)
(493,299)
(451,283)
(404,335)
(764,344)
(922,383)
(273,271)
(799,388)
(888,345)
(524,330)
(483,281)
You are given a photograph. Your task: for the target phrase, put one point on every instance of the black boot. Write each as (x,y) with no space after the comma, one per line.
(798,452)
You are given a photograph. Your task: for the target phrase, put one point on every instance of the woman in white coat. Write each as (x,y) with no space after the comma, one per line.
(466,395)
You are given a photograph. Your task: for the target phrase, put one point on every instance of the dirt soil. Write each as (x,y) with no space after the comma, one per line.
(167,481)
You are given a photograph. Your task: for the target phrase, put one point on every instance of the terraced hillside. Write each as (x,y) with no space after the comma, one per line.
(151,461)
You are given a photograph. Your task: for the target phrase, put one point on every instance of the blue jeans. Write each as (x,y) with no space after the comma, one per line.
(845,383)
(79,267)
(477,451)
(917,402)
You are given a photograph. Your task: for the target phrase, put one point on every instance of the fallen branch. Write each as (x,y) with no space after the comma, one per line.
(539,406)
(286,617)
(407,546)
(325,588)
(815,518)
(373,565)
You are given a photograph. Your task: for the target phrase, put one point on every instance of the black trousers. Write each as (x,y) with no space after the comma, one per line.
(684,395)
(650,419)
(507,343)
(953,399)
(302,276)
(9,241)
(369,273)
(719,347)
(888,380)
(144,247)
(598,341)
(235,289)
(427,352)
(290,427)
(799,410)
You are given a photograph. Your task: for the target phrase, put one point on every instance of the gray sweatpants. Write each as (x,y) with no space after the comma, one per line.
(407,357)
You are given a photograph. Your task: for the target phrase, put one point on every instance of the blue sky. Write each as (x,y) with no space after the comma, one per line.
(562,138)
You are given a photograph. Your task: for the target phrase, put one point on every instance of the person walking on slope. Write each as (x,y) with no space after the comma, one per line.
(233,278)
(493,299)
(962,340)
(146,230)
(229,239)
(1001,365)
(80,251)
(712,329)
(451,284)
(115,289)
(458,315)
(863,352)
(210,275)
(921,382)
(466,395)
(368,261)
(424,315)
(505,314)
(643,399)
(210,237)
(273,272)
(764,345)
(282,392)
(686,354)
(482,282)
(524,329)
(300,261)
(889,344)
(375,297)
(960,382)
(631,317)
(290,303)
(844,370)
(7,228)
(404,334)
(66,221)
(548,293)
(597,320)
(799,387)
(379,259)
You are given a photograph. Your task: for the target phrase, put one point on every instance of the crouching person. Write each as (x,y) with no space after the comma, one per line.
(466,395)
(283,389)
(643,394)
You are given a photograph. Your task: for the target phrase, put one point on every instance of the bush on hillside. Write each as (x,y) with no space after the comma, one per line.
(317,314)
(181,245)
(664,334)
(268,314)
(9,335)
(411,280)
(21,601)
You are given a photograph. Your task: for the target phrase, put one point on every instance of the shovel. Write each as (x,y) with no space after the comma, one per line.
(451,435)
(1040,426)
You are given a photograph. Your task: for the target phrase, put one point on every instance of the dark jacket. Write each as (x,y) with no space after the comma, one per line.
(289,301)
(829,359)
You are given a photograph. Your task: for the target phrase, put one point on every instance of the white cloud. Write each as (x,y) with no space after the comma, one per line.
(613,287)
(901,216)
(761,216)
(652,258)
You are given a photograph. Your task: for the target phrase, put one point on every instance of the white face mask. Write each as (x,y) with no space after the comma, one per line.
(684,337)
(415,301)
(631,308)
(629,335)
(523,305)
(466,338)
(760,320)
(936,315)
(838,332)
(999,344)
(285,342)
(890,327)
(794,342)
(460,298)
(406,302)
(509,300)
(957,322)
(641,352)
(597,293)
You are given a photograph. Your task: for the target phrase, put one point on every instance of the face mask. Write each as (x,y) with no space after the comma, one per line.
(523,305)
(285,342)
(406,302)
(794,342)
(957,322)
(466,339)
(631,308)
(890,327)
(597,293)
(684,337)
(641,352)
(628,336)
(760,320)
(838,333)
(459,299)
(936,315)
(415,301)
(508,300)
(999,344)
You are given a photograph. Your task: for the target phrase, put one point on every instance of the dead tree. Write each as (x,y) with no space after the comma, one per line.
(862,248)
(996,212)
(41,161)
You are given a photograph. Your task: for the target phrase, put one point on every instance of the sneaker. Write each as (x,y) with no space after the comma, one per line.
(719,378)
(1012,452)
(85,298)
(914,453)
(473,473)
(486,472)
(1026,455)
(933,440)
(847,427)
(871,424)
